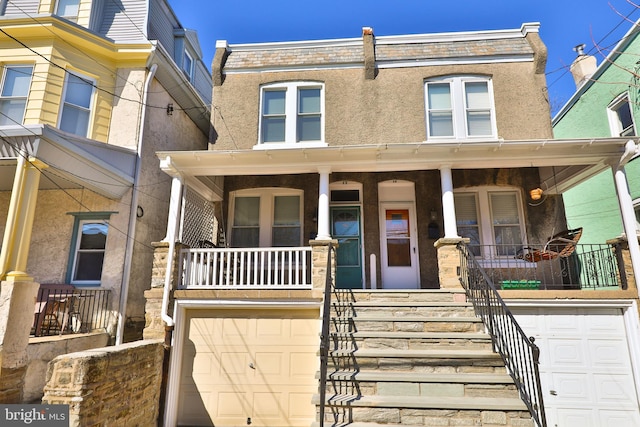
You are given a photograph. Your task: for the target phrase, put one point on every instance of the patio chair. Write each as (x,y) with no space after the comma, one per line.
(560,245)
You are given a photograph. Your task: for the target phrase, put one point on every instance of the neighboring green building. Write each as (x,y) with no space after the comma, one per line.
(605,104)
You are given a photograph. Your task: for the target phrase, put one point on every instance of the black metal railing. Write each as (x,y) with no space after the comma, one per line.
(324,334)
(519,353)
(70,311)
(590,266)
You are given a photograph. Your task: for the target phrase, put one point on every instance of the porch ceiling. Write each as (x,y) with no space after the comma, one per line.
(579,158)
(72,161)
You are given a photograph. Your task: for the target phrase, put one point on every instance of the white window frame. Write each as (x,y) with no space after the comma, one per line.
(614,119)
(266,211)
(485,213)
(14,98)
(64,103)
(459,107)
(73,18)
(291,115)
(188,60)
(76,250)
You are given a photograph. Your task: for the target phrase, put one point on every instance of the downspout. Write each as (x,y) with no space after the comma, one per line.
(626,207)
(128,253)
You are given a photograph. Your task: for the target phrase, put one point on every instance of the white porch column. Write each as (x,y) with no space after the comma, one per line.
(628,220)
(175,208)
(323,205)
(22,207)
(448,205)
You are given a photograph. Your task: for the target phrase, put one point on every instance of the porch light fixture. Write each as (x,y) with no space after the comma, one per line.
(536,193)
(170,109)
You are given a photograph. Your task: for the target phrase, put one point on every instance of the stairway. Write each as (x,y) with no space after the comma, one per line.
(415,357)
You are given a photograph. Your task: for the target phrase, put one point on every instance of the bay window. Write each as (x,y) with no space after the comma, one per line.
(75,112)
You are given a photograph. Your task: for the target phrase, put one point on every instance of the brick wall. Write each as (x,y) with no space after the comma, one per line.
(108,386)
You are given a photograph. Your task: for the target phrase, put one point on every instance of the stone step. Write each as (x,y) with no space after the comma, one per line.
(409,323)
(385,383)
(423,402)
(433,295)
(412,340)
(451,360)
(400,309)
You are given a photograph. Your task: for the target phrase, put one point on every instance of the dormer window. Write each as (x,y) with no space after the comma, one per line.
(187,65)
(620,117)
(460,107)
(292,113)
(68,9)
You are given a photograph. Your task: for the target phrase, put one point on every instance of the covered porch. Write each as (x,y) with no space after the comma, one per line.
(422,179)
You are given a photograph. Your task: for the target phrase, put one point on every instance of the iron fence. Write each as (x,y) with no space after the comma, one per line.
(590,266)
(70,311)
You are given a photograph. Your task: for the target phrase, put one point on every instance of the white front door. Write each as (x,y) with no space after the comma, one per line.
(399,246)
(586,367)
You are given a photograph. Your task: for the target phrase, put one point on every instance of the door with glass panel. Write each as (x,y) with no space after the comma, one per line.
(399,251)
(345,227)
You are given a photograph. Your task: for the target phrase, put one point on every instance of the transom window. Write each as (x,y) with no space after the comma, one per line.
(490,218)
(16,81)
(68,9)
(76,105)
(460,107)
(292,113)
(620,117)
(266,217)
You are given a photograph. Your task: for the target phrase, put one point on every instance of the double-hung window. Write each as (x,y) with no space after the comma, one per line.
(291,113)
(88,248)
(75,112)
(492,219)
(16,81)
(187,65)
(68,9)
(620,117)
(460,107)
(266,218)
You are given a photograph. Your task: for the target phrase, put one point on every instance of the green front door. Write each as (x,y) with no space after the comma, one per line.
(345,227)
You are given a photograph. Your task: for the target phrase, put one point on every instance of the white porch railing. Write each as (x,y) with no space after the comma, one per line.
(235,268)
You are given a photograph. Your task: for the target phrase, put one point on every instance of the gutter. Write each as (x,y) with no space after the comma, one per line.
(128,253)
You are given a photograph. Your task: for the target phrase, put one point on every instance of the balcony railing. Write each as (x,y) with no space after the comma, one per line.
(246,268)
(590,266)
(70,311)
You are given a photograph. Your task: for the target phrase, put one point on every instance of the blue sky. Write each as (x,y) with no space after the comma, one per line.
(564,23)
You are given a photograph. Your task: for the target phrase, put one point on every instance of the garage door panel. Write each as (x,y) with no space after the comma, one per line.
(250,367)
(585,361)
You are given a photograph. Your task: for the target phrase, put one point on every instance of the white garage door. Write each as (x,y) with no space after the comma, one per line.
(585,366)
(239,369)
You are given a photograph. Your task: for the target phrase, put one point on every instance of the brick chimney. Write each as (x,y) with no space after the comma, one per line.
(583,66)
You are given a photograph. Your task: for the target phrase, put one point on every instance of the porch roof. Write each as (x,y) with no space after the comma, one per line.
(574,160)
(73,161)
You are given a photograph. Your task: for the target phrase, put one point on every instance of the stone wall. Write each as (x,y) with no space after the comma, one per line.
(108,386)
(42,350)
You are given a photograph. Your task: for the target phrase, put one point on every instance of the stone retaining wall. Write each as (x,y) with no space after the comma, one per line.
(108,386)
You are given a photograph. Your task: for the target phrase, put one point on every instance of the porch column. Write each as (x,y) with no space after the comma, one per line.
(22,207)
(323,205)
(18,291)
(175,208)
(628,220)
(448,205)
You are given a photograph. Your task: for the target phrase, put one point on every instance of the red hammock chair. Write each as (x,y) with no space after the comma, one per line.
(560,245)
